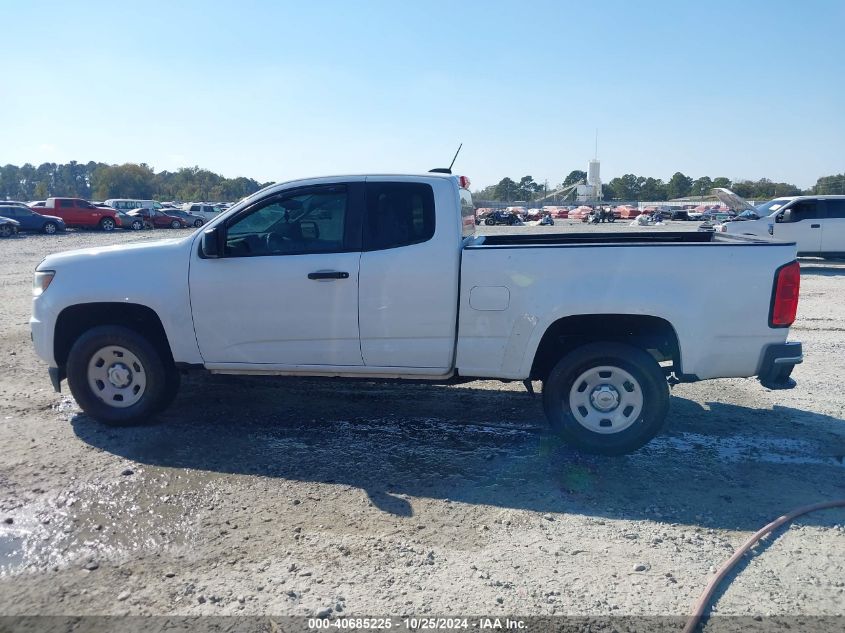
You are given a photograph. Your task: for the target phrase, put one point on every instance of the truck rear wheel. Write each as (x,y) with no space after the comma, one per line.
(606,398)
(118,377)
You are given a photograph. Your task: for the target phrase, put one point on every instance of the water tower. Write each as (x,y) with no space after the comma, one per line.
(591,192)
(594,177)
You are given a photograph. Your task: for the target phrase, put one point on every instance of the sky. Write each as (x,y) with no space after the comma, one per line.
(279,90)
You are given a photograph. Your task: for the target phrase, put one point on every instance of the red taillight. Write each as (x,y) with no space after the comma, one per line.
(785,295)
(464,182)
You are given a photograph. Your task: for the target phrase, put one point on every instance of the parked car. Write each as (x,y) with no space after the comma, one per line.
(128,222)
(714,216)
(679,214)
(29,220)
(205,211)
(390,282)
(501,217)
(81,213)
(816,224)
(128,204)
(13,203)
(745,216)
(8,227)
(190,218)
(158,219)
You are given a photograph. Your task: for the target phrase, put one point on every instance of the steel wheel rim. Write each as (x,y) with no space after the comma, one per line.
(116,376)
(5,231)
(108,225)
(198,223)
(606,399)
(174,225)
(49,228)
(137,226)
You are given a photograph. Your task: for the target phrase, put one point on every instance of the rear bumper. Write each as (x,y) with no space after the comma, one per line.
(778,361)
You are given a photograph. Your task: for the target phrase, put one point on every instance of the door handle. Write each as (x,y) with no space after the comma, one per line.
(815,226)
(328,274)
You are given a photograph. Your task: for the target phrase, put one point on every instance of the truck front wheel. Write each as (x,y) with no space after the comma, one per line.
(119,377)
(606,398)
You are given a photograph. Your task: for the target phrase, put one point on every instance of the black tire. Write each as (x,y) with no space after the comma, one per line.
(176,224)
(161,377)
(638,364)
(489,222)
(198,223)
(137,225)
(50,228)
(107,224)
(6,230)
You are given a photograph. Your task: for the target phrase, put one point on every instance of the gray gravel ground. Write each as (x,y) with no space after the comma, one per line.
(293,496)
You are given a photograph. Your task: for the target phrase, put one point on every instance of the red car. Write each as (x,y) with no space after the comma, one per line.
(157,219)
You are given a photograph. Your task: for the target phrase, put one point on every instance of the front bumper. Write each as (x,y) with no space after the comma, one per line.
(778,361)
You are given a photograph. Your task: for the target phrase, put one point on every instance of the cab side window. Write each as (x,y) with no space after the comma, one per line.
(806,210)
(65,204)
(398,214)
(297,223)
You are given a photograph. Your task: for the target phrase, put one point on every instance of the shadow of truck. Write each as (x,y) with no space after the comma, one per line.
(729,467)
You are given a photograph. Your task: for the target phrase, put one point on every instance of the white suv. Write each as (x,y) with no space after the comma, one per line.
(206,211)
(815,223)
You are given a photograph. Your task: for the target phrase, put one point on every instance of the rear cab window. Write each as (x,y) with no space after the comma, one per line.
(835,208)
(398,214)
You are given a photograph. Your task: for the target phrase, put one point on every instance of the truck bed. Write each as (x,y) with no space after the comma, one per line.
(714,290)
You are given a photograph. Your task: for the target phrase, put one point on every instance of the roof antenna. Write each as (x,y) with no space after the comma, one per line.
(447,170)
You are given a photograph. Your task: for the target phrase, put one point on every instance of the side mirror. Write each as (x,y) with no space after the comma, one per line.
(213,243)
(786,216)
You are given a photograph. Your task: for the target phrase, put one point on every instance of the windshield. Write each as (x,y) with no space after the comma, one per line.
(772,206)
(749,214)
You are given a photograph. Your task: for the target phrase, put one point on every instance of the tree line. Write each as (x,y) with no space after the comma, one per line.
(100,181)
(631,187)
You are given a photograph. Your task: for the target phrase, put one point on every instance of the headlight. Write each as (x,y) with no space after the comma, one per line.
(41,281)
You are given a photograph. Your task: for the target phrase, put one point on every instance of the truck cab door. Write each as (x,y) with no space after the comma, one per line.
(804,226)
(86,212)
(409,274)
(284,292)
(833,232)
(63,209)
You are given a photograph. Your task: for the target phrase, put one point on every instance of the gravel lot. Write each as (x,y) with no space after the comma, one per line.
(293,496)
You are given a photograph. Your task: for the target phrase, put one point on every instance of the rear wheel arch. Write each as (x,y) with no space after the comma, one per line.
(650,333)
(75,320)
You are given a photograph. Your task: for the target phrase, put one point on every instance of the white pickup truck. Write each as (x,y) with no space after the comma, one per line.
(382,276)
